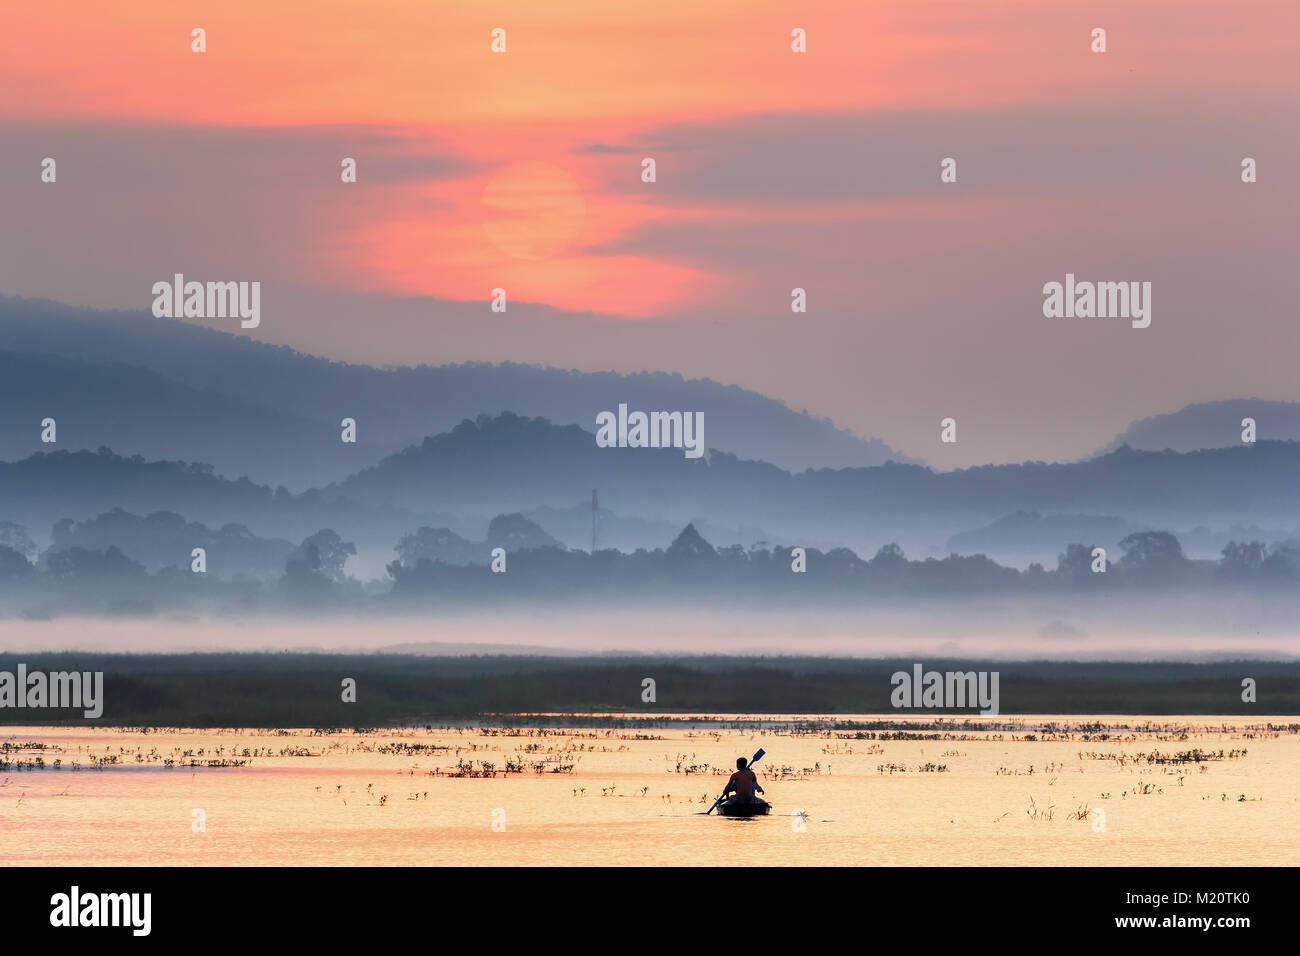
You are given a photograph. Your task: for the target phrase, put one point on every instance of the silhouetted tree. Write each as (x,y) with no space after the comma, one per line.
(690,547)
(1075,565)
(325,552)
(84,563)
(1153,557)
(1243,561)
(514,532)
(439,544)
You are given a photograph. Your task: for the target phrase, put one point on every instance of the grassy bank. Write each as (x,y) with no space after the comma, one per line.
(305,690)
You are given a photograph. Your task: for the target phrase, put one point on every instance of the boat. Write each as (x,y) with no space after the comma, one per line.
(759,808)
(734,807)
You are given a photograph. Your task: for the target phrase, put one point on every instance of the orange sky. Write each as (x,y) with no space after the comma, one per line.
(637,61)
(574,74)
(819,170)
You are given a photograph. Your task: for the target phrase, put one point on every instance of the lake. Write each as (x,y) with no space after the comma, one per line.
(862,790)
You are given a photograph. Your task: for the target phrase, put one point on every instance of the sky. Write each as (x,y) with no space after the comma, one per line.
(775,170)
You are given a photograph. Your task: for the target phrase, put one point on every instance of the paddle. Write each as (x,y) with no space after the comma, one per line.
(752,760)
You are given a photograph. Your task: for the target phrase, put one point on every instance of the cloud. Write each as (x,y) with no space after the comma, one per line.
(601,149)
(135,203)
(157,158)
(776,158)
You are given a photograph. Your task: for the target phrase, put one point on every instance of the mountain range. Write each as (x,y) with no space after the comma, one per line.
(155,415)
(1211,425)
(170,389)
(510,463)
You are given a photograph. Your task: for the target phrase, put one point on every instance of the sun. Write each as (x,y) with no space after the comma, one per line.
(532,210)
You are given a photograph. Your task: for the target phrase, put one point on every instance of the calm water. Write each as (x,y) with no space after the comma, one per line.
(632,796)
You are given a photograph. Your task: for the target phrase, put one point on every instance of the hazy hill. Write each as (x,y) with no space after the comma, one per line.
(1211,425)
(138,411)
(47,487)
(392,406)
(508,464)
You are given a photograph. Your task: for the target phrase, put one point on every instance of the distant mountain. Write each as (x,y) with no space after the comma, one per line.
(1211,425)
(510,464)
(133,409)
(274,387)
(47,487)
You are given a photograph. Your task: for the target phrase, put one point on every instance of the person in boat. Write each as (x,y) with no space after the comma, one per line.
(744,783)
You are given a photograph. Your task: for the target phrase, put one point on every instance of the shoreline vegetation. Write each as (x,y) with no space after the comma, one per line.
(550,750)
(271,690)
(91,569)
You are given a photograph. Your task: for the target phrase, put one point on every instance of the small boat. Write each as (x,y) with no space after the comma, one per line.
(759,808)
